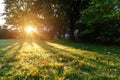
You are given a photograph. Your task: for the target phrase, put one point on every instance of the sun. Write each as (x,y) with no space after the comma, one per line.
(30,29)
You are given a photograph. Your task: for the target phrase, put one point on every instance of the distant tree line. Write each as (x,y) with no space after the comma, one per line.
(8,33)
(97,20)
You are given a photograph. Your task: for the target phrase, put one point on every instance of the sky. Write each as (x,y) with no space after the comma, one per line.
(2,21)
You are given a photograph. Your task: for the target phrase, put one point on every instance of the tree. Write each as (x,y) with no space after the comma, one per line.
(102,21)
(73,9)
(19,13)
(57,14)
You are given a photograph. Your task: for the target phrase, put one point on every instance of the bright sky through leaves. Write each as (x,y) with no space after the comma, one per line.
(1,11)
(30,29)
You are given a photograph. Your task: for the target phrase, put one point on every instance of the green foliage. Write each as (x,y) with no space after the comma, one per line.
(102,20)
(98,21)
(19,13)
(61,15)
(37,13)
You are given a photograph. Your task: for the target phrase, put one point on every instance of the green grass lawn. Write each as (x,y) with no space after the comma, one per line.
(58,60)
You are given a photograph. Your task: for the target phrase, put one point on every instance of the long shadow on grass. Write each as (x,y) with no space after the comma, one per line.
(5,63)
(97,61)
(8,48)
(5,42)
(90,47)
(54,50)
(69,61)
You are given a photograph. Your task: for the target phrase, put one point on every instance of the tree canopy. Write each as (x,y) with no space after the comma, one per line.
(102,20)
(97,20)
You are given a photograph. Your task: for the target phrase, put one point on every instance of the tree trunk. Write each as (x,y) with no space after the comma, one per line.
(72,31)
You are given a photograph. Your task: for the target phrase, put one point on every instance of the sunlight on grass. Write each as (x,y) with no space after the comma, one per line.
(53,61)
(103,62)
(10,52)
(25,60)
(9,46)
(84,53)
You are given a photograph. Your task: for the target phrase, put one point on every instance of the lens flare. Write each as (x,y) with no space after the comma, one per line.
(30,29)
